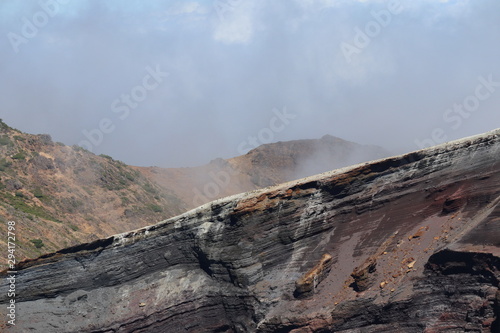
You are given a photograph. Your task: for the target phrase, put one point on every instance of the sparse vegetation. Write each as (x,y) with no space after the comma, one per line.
(125,200)
(116,176)
(19,203)
(88,190)
(149,188)
(4,164)
(156,208)
(45,139)
(107,157)
(37,192)
(130,176)
(78,148)
(89,218)
(71,205)
(37,242)
(4,141)
(4,126)
(19,156)
(77,170)
(73,227)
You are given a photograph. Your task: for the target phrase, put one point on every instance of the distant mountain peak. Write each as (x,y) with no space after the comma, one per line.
(328,137)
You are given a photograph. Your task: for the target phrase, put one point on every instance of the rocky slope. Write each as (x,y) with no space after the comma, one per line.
(61,196)
(405,244)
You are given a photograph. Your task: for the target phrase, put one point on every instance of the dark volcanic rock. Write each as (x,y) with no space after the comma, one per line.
(405,244)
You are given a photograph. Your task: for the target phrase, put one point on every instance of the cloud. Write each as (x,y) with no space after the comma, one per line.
(230,66)
(182,8)
(236,21)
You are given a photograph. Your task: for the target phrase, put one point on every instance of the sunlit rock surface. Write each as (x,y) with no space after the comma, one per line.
(414,242)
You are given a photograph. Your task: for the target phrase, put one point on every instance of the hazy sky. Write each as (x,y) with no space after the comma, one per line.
(179,83)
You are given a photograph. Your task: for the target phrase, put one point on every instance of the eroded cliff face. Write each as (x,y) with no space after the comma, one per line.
(405,244)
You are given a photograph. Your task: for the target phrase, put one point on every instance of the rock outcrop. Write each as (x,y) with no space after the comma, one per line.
(306,285)
(420,231)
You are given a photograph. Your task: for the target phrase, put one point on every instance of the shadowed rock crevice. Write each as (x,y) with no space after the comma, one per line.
(204,261)
(483,265)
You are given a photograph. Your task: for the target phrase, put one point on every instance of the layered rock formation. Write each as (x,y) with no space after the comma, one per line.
(404,244)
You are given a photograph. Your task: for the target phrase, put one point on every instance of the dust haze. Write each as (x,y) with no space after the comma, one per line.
(332,153)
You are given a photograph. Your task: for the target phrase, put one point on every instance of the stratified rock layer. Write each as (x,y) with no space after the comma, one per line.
(405,244)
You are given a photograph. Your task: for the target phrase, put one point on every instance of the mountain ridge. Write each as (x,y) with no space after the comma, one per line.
(266,165)
(401,244)
(62,196)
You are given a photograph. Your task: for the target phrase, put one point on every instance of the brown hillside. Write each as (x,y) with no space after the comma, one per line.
(60,196)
